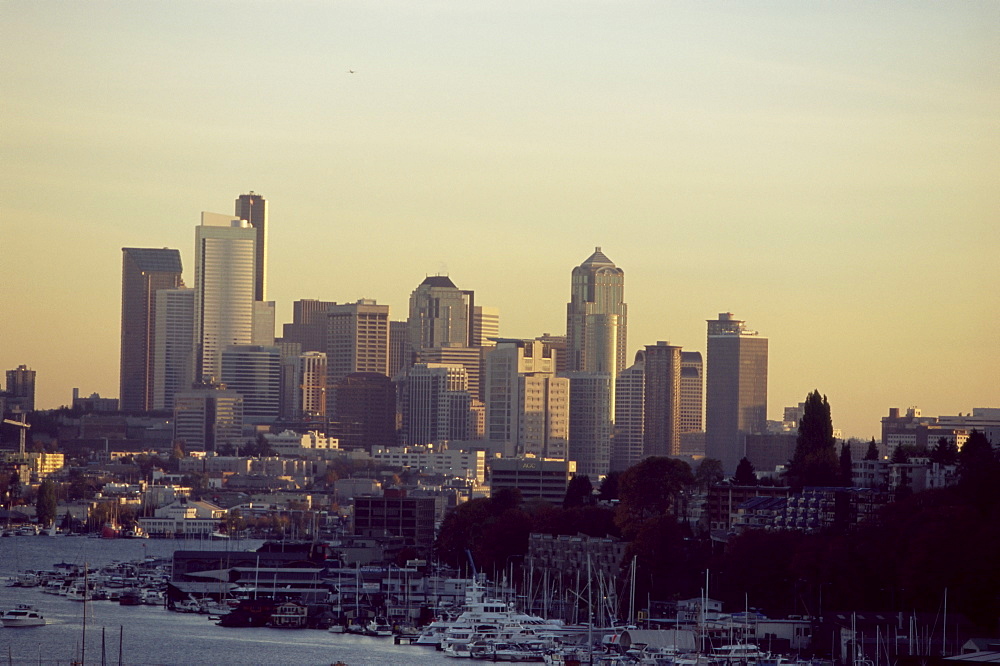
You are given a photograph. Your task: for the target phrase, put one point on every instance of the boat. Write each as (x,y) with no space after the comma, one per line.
(378,627)
(22,616)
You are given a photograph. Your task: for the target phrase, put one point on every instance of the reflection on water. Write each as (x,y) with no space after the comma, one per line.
(152,635)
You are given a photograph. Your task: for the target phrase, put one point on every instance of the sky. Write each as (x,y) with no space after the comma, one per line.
(828,172)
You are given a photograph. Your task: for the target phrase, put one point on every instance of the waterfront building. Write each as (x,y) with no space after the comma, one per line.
(255,373)
(630,415)
(662,400)
(225,270)
(535,478)
(596,319)
(568,558)
(145,271)
(253,208)
(736,389)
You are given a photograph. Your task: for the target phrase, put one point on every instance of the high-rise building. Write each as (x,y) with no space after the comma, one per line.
(400,348)
(145,271)
(357,341)
(366,411)
(208,418)
(253,208)
(172,348)
(20,389)
(440,313)
(437,402)
(263,323)
(310,385)
(736,389)
(468,357)
(630,415)
(225,260)
(590,422)
(692,392)
(596,317)
(527,405)
(254,372)
(485,326)
(308,325)
(662,410)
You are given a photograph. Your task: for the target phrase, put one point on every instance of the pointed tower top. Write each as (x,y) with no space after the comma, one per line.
(598,259)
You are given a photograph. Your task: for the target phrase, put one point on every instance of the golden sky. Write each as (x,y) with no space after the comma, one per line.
(828,172)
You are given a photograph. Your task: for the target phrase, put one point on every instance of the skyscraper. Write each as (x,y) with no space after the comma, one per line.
(440,313)
(254,372)
(172,347)
(253,208)
(21,389)
(630,415)
(225,261)
(437,403)
(597,317)
(736,389)
(661,429)
(590,421)
(357,341)
(145,271)
(692,392)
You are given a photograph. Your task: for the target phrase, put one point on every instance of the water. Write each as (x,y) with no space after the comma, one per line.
(153,635)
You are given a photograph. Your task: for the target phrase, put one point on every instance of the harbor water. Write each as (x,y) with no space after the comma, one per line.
(152,634)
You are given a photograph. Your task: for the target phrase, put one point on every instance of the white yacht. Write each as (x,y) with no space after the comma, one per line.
(22,616)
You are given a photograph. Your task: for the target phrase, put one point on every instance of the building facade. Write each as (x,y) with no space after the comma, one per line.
(590,422)
(172,348)
(597,317)
(253,208)
(630,415)
(662,398)
(255,373)
(357,341)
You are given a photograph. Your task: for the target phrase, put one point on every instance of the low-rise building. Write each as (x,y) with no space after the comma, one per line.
(536,478)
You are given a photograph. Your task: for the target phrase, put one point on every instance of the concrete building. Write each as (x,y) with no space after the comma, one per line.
(366,404)
(630,415)
(736,389)
(590,422)
(357,341)
(290,443)
(145,271)
(662,398)
(172,346)
(308,327)
(535,478)
(253,208)
(255,373)
(526,404)
(597,316)
(225,274)
(469,358)
(208,418)
(915,430)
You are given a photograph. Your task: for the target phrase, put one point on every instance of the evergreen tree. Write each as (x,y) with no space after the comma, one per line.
(899,456)
(745,473)
(46,504)
(945,453)
(846,465)
(872,453)
(609,487)
(815,461)
(709,473)
(579,492)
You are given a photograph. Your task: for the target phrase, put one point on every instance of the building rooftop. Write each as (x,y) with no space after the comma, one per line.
(155,260)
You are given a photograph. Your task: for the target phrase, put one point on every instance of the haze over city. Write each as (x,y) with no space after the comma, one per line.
(827,174)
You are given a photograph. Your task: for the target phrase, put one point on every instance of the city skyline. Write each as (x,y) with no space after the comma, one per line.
(828,175)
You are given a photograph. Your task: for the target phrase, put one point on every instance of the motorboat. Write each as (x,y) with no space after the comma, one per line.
(378,627)
(23,616)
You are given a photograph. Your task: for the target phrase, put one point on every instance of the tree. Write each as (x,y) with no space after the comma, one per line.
(846,466)
(745,473)
(609,487)
(872,452)
(946,452)
(579,492)
(46,504)
(650,489)
(899,456)
(815,459)
(709,473)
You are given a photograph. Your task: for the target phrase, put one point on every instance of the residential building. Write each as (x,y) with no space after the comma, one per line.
(145,271)
(596,317)
(225,274)
(462,463)
(566,558)
(736,389)
(304,392)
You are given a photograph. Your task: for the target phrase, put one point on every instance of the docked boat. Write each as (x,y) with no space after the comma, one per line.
(22,616)
(378,627)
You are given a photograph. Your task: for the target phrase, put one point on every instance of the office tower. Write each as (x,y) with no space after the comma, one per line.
(20,389)
(208,418)
(692,389)
(436,404)
(366,406)
(145,271)
(225,259)
(357,341)
(485,325)
(440,313)
(468,357)
(527,406)
(308,325)
(254,372)
(172,360)
(596,317)
(400,349)
(253,208)
(263,324)
(662,376)
(556,346)
(736,389)
(630,415)
(590,422)
(306,397)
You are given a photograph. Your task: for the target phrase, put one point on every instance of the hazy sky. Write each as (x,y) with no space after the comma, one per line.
(829,172)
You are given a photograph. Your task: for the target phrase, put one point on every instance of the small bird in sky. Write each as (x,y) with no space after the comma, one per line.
(350,71)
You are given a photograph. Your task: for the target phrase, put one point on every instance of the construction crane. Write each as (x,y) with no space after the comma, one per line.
(23,425)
